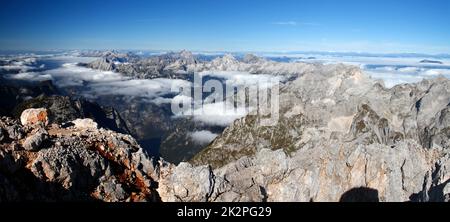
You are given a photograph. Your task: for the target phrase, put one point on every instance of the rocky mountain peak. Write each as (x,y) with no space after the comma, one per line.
(228,58)
(186,54)
(250,58)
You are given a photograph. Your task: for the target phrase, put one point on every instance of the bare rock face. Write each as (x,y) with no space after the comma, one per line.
(250,58)
(34,116)
(436,183)
(104,64)
(324,173)
(187,183)
(35,141)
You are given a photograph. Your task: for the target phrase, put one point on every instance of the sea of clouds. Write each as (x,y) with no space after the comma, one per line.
(392,70)
(94,84)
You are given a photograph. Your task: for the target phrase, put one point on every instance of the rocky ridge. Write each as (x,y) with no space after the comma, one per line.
(179,65)
(170,65)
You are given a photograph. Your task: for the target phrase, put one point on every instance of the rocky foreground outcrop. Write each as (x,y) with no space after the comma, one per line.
(71,162)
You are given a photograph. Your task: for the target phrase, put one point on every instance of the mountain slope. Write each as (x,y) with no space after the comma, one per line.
(340,133)
(338,102)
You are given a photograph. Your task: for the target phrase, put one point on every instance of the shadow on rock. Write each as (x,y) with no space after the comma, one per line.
(18,183)
(436,193)
(361,194)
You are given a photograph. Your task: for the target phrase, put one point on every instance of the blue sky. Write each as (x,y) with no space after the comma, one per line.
(228,25)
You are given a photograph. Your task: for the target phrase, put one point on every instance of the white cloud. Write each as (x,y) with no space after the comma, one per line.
(392,70)
(410,69)
(211,114)
(29,76)
(218,114)
(100,83)
(395,78)
(161,100)
(93,83)
(435,72)
(23,65)
(72,75)
(236,78)
(406,75)
(148,88)
(202,137)
(384,68)
(291,23)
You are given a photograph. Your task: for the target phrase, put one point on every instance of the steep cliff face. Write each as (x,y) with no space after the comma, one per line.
(328,172)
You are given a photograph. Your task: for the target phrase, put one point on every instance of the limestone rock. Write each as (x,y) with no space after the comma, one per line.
(34,116)
(250,58)
(187,183)
(85,124)
(324,173)
(104,64)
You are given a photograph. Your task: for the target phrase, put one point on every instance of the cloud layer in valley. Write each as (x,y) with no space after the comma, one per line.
(218,114)
(202,137)
(94,83)
(392,70)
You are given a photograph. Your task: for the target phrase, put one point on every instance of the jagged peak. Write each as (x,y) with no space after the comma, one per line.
(225,60)
(251,58)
